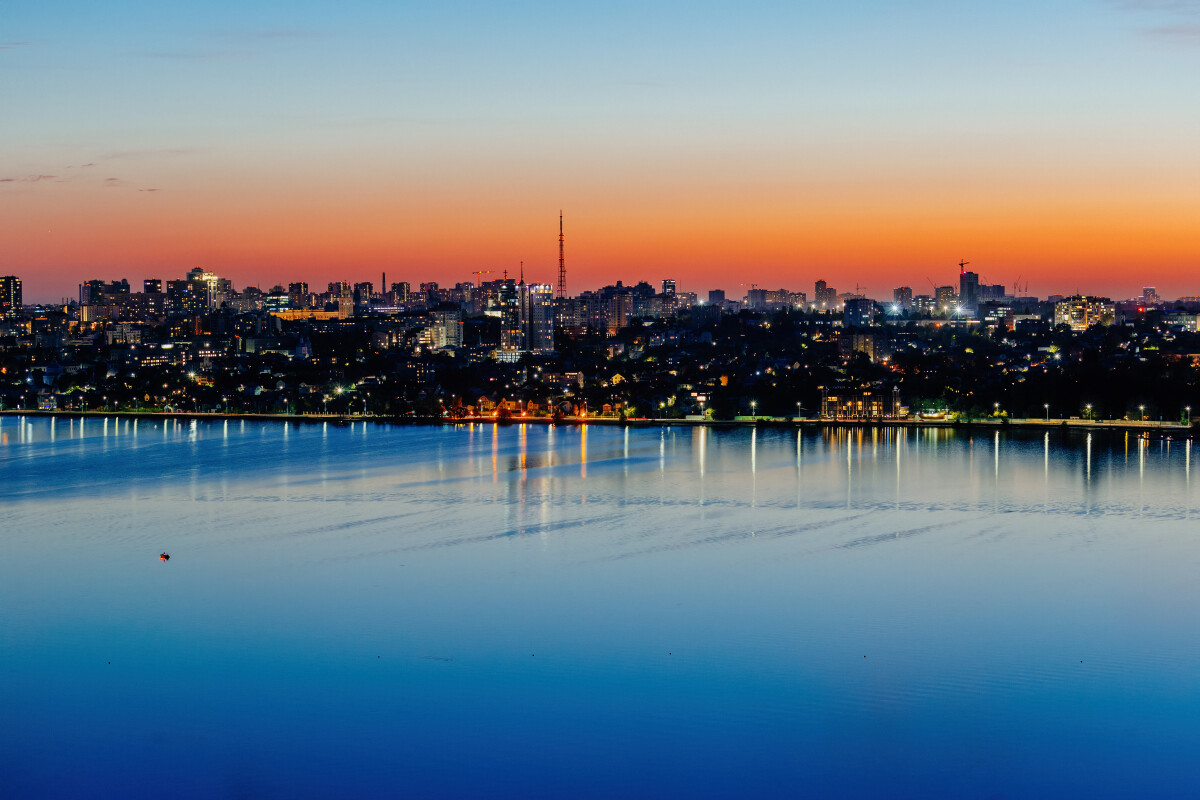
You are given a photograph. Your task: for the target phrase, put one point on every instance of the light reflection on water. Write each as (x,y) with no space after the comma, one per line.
(586,611)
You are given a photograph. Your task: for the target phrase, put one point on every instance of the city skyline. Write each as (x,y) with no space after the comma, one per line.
(818,293)
(873,145)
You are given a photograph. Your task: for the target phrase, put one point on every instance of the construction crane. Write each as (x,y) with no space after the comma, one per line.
(478,273)
(962,265)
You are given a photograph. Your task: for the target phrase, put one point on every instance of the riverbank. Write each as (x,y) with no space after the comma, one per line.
(1173,429)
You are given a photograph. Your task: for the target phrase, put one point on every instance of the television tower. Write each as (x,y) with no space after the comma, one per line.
(562,264)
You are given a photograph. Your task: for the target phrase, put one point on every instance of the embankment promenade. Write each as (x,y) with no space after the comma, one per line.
(1155,427)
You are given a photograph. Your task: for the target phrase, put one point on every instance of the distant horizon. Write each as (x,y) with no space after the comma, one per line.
(34,292)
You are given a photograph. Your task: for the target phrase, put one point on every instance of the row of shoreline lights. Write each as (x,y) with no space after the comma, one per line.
(1088,409)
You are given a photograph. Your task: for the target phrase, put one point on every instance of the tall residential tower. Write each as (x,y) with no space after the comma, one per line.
(10,296)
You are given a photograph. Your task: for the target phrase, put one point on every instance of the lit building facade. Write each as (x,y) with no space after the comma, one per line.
(860,402)
(859,313)
(526,317)
(1082,312)
(10,296)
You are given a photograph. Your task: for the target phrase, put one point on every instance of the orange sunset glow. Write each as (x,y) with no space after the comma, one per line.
(765,153)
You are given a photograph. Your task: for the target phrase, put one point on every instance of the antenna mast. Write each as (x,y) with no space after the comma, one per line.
(562,264)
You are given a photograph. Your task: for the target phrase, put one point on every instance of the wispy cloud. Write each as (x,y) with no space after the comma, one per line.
(1161,5)
(121,183)
(12,45)
(1179,20)
(267,34)
(29,179)
(232,44)
(1183,33)
(79,178)
(150,152)
(194,55)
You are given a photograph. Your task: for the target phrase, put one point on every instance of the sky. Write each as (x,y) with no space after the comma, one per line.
(871,144)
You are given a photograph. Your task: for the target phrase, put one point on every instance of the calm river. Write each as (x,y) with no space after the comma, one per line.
(534,611)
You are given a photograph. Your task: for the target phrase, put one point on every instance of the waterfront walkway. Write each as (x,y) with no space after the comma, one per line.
(1137,426)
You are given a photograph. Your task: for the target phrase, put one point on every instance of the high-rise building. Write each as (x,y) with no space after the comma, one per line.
(992,291)
(1150,296)
(859,312)
(902,296)
(968,290)
(618,310)
(345,303)
(946,300)
(152,286)
(526,316)
(362,296)
(10,296)
(540,327)
(276,300)
(773,299)
(825,296)
(212,289)
(716,297)
(444,330)
(97,292)
(297,293)
(511,331)
(1081,312)
(668,297)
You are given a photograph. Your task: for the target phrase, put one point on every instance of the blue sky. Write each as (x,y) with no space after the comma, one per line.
(1050,138)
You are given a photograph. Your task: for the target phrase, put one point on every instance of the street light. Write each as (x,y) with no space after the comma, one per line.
(1089,410)
(1046,406)
(1189,410)
(753,406)
(1142,409)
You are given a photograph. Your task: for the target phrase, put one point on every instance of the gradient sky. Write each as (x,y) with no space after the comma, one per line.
(872,143)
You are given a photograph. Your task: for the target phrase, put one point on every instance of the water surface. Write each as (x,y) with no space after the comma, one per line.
(533,611)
